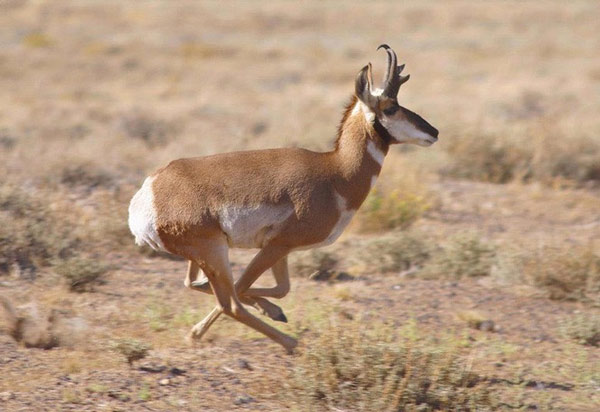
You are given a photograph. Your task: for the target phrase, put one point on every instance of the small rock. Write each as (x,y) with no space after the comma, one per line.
(6,396)
(164,382)
(321,275)
(243,364)
(244,399)
(487,326)
(343,276)
(177,372)
(152,368)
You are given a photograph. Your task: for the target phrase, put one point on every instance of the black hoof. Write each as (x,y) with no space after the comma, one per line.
(281,318)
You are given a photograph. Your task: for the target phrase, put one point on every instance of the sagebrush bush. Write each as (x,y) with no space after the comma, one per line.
(391,210)
(569,274)
(583,328)
(30,232)
(486,158)
(306,263)
(81,273)
(463,255)
(151,130)
(562,272)
(356,368)
(393,252)
(131,349)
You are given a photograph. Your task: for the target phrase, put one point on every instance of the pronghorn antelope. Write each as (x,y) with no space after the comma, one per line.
(276,200)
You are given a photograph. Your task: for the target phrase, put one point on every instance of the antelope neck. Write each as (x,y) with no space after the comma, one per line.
(359,156)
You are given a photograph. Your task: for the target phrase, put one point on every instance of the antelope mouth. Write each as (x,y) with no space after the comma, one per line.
(429,141)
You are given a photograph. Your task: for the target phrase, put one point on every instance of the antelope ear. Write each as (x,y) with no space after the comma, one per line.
(362,87)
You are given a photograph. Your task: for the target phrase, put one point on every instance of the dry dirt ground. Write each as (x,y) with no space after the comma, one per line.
(528,361)
(94,95)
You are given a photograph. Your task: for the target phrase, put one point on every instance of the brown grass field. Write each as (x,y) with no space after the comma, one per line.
(469,280)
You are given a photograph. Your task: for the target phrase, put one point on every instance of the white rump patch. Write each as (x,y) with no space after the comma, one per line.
(142,217)
(253,226)
(375,152)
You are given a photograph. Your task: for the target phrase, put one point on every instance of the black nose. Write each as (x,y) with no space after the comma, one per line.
(434,132)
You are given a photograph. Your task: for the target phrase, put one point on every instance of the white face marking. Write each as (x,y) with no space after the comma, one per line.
(142,217)
(405,132)
(375,153)
(253,226)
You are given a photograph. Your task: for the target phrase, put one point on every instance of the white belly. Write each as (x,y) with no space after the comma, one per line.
(253,227)
(142,217)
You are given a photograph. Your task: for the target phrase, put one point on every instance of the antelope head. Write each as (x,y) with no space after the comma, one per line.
(394,123)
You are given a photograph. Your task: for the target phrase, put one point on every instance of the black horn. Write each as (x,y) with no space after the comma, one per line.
(392,80)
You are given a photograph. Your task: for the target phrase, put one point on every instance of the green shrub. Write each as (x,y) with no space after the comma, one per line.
(464,255)
(584,329)
(393,210)
(356,368)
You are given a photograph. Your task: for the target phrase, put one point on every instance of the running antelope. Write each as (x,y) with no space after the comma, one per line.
(276,200)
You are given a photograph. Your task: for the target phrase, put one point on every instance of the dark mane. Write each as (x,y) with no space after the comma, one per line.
(347,111)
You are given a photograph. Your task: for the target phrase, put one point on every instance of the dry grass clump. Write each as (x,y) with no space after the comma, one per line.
(548,156)
(131,349)
(350,367)
(394,252)
(463,255)
(583,328)
(392,210)
(81,273)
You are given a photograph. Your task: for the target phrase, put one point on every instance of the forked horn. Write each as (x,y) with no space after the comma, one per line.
(392,80)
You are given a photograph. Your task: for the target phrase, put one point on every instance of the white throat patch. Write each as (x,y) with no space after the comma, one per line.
(375,152)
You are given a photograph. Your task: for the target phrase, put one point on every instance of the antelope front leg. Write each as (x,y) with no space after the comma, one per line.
(217,269)
(260,304)
(266,258)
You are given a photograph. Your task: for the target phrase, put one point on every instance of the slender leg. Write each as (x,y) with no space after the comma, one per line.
(282,282)
(192,274)
(265,259)
(262,305)
(219,274)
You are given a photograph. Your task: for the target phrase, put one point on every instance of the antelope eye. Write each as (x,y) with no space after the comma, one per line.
(391,110)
